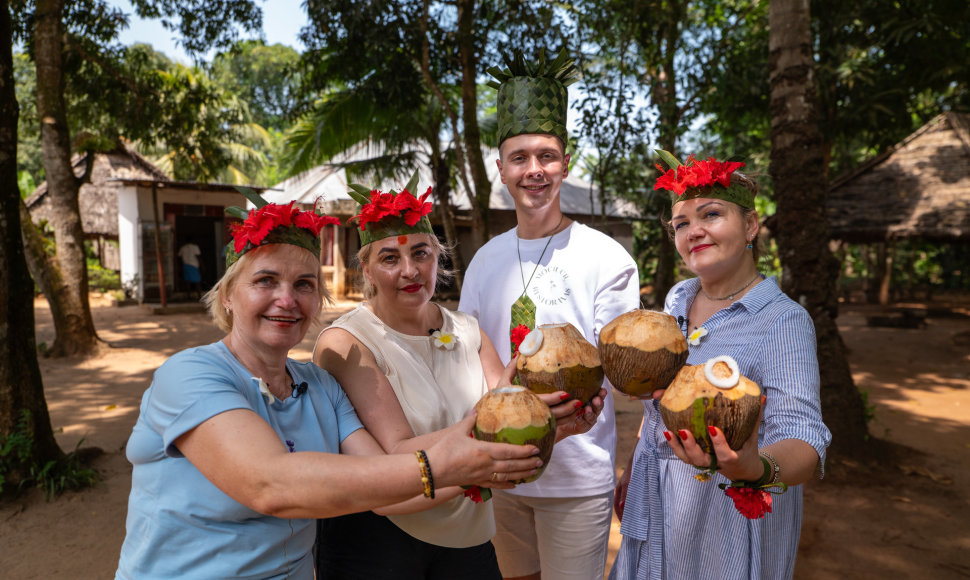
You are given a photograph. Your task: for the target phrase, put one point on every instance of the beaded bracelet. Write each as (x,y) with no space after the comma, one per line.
(426,477)
(772,471)
(752,499)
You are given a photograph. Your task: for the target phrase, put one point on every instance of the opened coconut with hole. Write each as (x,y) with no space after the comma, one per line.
(557,357)
(642,351)
(714,393)
(514,414)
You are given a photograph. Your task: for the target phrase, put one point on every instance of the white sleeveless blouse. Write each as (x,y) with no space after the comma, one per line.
(436,388)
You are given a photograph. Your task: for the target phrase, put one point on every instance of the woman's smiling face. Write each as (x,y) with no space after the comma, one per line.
(403,268)
(711,235)
(276,297)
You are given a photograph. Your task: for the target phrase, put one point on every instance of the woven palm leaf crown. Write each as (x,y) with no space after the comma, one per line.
(707,178)
(532,97)
(271,223)
(392,213)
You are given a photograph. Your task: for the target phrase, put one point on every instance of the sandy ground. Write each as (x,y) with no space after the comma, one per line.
(900,519)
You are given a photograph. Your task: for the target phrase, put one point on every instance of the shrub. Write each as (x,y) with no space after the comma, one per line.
(54,477)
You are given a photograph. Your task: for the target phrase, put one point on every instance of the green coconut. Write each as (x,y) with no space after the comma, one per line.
(693,402)
(514,414)
(564,361)
(642,351)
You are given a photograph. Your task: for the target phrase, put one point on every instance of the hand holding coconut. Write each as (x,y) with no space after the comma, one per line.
(557,363)
(712,412)
(486,462)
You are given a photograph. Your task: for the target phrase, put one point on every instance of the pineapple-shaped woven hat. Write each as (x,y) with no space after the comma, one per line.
(532,97)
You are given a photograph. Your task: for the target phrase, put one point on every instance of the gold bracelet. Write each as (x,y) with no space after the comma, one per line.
(775,470)
(426,479)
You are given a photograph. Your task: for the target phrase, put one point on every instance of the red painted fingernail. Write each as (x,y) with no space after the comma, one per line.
(564,396)
(578,404)
(683,434)
(712,430)
(668,435)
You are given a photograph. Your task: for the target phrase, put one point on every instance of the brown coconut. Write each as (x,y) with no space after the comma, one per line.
(565,361)
(642,351)
(691,402)
(514,414)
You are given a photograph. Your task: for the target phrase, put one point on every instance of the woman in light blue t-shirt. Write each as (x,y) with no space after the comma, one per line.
(237,447)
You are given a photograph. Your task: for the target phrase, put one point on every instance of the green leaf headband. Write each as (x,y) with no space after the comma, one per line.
(272,223)
(708,178)
(383,215)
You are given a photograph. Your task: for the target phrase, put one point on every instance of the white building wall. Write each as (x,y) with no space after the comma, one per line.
(129,238)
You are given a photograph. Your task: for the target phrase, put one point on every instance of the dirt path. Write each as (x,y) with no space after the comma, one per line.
(906,520)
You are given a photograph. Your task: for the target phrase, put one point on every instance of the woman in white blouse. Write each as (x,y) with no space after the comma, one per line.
(412,368)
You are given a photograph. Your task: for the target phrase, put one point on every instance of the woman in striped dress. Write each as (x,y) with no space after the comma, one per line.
(675,526)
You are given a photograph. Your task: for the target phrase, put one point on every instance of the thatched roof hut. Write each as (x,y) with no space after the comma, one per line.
(920,188)
(98,199)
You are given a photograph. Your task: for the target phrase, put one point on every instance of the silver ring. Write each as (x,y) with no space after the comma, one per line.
(494,476)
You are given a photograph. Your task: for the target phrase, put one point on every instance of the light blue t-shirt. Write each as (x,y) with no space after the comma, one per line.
(179,524)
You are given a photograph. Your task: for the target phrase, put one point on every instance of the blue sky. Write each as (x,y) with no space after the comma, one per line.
(282,21)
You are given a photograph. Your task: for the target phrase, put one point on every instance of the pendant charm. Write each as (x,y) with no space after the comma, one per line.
(523,312)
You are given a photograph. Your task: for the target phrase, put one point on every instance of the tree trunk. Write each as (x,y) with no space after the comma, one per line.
(809,271)
(663,92)
(469,116)
(44,269)
(21,386)
(886,252)
(79,337)
(442,191)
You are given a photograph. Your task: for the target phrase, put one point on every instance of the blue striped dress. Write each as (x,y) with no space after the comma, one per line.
(676,527)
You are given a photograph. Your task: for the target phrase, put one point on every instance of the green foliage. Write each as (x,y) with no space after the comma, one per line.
(883,68)
(28,130)
(99,278)
(102,279)
(25,183)
(203,25)
(267,78)
(54,477)
(870,409)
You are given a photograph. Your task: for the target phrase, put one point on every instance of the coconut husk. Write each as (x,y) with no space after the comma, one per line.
(642,351)
(514,414)
(691,402)
(565,361)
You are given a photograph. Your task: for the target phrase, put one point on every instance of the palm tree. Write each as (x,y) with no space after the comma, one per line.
(387,143)
(809,271)
(207,134)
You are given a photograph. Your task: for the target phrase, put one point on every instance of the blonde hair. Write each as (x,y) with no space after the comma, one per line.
(444,276)
(215,299)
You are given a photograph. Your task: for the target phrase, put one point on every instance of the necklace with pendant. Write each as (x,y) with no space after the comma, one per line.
(524,309)
(732,294)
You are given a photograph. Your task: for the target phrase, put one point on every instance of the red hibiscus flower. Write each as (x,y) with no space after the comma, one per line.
(696,173)
(403,205)
(262,221)
(751,503)
(517,336)
(477,494)
(313,222)
(259,223)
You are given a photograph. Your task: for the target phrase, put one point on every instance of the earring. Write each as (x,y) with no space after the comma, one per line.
(750,246)
(229,312)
